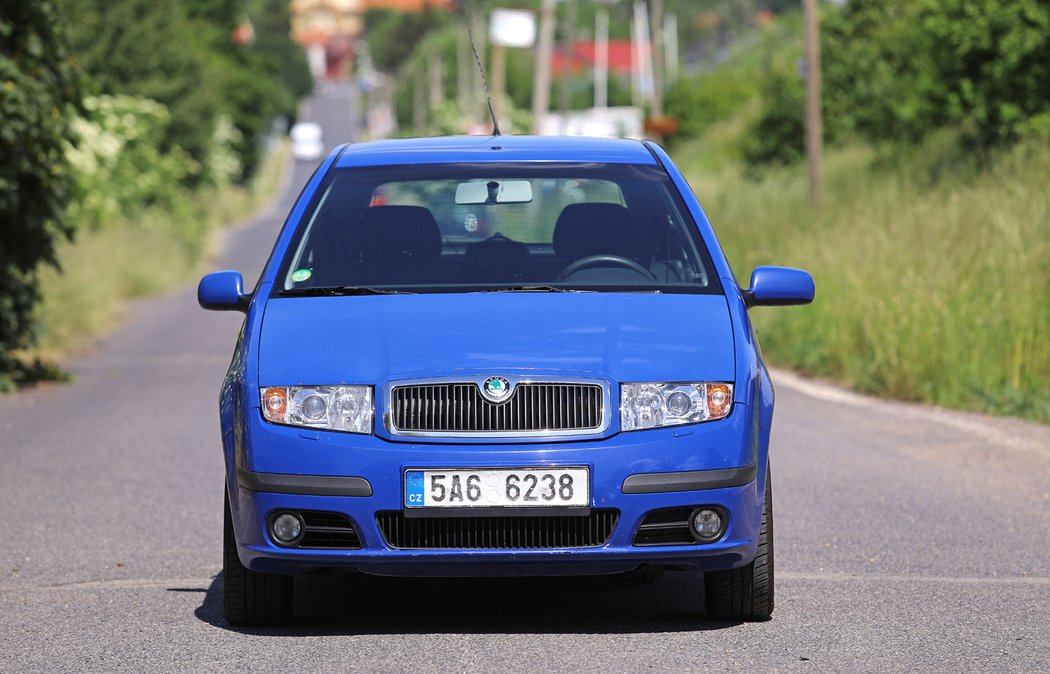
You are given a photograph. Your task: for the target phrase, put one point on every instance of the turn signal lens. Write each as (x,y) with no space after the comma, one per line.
(719,397)
(275,403)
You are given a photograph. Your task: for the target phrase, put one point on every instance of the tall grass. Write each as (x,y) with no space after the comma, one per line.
(127,259)
(932,272)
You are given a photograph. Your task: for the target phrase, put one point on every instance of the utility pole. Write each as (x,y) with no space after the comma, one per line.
(541,91)
(436,73)
(601,58)
(814,118)
(671,48)
(463,69)
(656,27)
(419,104)
(479,27)
(499,78)
(643,60)
(568,39)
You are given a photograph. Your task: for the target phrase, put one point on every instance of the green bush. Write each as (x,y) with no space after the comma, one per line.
(777,137)
(151,50)
(894,70)
(118,164)
(38,87)
(179,54)
(932,290)
(698,102)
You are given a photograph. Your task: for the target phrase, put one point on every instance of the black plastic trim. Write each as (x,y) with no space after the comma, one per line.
(311,485)
(497,533)
(690,480)
(681,528)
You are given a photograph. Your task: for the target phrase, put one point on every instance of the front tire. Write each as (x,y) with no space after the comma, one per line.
(746,593)
(251,598)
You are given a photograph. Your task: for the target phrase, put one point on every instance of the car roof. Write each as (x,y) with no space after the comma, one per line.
(471,149)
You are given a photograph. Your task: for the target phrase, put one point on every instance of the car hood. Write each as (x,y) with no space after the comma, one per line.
(375,339)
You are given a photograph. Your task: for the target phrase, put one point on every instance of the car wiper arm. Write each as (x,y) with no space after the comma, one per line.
(536,289)
(319,291)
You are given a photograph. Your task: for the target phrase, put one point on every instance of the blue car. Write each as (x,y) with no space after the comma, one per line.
(492,357)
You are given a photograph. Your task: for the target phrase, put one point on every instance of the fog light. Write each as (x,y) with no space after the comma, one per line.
(707,524)
(286,528)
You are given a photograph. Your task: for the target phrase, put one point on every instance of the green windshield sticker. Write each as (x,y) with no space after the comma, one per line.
(300,275)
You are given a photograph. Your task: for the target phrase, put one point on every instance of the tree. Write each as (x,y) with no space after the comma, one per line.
(152,50)
(994,57)
(897,69)
(38,87)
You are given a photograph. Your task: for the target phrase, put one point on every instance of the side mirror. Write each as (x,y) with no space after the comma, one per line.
(779,286)
(223,291)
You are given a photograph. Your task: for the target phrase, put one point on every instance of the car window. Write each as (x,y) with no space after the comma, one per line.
(531,222)
(462,228)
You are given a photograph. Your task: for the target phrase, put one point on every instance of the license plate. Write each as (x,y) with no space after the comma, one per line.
(498,488)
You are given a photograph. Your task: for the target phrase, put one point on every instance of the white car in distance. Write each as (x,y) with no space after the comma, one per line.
(307,141)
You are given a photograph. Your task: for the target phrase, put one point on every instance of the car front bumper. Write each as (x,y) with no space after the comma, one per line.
(285,469)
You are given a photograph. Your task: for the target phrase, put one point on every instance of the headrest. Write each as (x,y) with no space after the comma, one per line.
(398,233)
(583,230)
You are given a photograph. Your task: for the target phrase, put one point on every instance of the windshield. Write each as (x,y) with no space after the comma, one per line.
(497,226)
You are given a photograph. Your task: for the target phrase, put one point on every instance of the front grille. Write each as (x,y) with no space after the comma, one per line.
(497,533)
(669,526)
(533,407)
(328,530)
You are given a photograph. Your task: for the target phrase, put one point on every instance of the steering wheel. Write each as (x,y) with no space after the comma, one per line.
(603,261)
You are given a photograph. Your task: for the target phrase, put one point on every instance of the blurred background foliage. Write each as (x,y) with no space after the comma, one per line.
(138,126)
(143,124)
(39,95)
(182,54)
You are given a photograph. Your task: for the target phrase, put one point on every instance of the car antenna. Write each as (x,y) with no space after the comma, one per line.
(485,81)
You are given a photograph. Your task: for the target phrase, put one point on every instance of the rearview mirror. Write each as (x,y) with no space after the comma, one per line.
(223,291)
(779,286)
(494,192)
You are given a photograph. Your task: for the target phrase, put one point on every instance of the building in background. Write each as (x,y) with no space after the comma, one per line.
(328,29)
(407,5)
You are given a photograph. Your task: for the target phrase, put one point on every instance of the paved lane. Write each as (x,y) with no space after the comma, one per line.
(907,537)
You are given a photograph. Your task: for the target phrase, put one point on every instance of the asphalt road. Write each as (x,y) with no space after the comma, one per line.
(908,538)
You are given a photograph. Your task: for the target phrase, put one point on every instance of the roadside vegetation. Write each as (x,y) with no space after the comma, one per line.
(156,251)
(131,130)
(933,277)
(931,247)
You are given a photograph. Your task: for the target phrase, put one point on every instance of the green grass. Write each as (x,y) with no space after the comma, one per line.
(159,251)
(932,273)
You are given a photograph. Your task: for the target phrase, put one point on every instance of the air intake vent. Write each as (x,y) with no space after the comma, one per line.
(459,408)
(497,533)
(669,526)
(328,530)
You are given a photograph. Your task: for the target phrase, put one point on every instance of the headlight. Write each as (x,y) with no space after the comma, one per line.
(336,408)
(654,404)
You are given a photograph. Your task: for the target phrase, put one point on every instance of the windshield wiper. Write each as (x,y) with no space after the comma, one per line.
(320,291)
(536,289)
